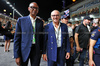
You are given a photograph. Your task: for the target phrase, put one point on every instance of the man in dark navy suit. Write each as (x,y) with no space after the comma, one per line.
(28,38)
(56,41)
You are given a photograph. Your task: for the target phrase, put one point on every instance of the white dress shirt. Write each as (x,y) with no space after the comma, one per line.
(58,35)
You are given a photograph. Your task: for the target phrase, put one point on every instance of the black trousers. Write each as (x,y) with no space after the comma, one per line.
(34,58)
(70,61)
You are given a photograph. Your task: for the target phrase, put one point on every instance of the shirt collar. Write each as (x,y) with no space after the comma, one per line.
(58,26)
(32,18)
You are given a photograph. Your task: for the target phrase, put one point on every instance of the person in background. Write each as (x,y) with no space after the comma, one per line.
(73,26)
(70,30)
(94,48)
(95,24)
(5,32)
(76,24)
(70,60)
(82,36)
(6,38)
(71,43)
(64,19)
(0,26)
(28,38)
(56,41)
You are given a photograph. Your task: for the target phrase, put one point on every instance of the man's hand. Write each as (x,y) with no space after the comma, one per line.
(44,57)
(91,63)
(78,49)
(12,32)
(18,61)
(67,55)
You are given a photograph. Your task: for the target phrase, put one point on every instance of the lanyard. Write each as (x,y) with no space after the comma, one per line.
(34,27)
(34,32)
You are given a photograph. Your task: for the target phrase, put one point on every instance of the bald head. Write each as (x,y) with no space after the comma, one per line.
(33,3)
(55,11)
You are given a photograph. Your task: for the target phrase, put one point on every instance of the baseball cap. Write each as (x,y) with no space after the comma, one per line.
(95,20)
(65,16)
(87,17)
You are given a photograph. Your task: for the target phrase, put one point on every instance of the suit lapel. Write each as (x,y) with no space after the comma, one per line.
(29,22)
(62,30)
(52,28)
(52,31)
(37,25)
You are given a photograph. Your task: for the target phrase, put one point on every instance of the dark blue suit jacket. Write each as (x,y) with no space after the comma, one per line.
(24,36)
(50,44)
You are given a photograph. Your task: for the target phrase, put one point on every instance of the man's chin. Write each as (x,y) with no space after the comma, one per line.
(33,14)
(56,21)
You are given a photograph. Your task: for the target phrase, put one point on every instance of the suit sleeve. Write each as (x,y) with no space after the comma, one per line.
(45,40)
(17,40)
(68,43)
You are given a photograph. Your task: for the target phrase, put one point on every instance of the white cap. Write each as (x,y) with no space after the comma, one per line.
(95,20)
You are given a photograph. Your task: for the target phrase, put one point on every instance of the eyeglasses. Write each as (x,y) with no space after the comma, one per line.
(54,15)
(34,7)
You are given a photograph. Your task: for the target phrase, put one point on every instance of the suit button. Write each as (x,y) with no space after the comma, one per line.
(51,42)
(64,38)
(51,36)
(51,48)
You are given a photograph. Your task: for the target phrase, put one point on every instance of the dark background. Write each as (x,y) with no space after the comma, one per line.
(45,7)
